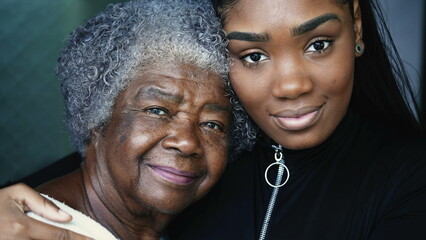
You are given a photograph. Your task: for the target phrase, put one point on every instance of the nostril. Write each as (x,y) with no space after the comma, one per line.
(292,88)
(186,144)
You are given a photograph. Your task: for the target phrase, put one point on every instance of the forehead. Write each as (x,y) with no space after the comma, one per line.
(271,12)
(176,74)
(179,80)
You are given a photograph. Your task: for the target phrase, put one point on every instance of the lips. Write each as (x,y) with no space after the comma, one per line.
(173,175)
(299,119)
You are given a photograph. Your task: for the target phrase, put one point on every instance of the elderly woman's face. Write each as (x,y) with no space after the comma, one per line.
(166,143)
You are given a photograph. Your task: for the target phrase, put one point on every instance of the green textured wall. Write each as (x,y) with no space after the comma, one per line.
(31,35)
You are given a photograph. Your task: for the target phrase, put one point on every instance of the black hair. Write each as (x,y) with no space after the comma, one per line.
(382,90)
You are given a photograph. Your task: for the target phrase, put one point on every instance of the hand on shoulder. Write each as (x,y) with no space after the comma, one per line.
(18,199)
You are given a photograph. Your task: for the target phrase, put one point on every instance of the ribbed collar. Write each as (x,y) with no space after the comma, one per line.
(300,158)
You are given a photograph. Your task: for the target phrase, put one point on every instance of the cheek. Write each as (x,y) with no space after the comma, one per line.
(338,86)
(338,81)
(217,159)
(250,87)
(137,133)
(235,75)
(127,144)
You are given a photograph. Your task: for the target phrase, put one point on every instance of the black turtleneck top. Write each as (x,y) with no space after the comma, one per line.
(359,184)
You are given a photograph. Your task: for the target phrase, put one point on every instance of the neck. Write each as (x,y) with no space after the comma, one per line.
(125,219)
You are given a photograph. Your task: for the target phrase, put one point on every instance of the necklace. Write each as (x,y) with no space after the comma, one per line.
(281,166)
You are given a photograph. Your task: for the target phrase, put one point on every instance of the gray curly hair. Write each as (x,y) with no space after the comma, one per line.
(103,55)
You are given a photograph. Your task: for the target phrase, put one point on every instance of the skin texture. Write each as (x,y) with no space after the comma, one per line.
(293,65)
(164,148)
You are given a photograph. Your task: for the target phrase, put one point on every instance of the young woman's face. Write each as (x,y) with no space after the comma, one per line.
(293,65)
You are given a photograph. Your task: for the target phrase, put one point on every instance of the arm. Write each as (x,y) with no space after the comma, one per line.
(18,199)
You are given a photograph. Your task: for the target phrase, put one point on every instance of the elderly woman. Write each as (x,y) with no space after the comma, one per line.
(146,107)
(318,81)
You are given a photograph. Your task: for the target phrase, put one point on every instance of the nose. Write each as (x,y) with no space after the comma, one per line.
(184,137)
(291,79)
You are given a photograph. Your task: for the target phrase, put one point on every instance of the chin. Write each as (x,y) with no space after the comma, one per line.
(297,146)
(301,142)
(170,205)
(170,210)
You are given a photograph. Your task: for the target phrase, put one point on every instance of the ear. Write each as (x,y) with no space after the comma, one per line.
(92,147)
(357,22)
(95,135)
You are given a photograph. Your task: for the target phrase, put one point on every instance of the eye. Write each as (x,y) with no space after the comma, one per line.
(254,57)
(214,126)
(319,46)
(157,111)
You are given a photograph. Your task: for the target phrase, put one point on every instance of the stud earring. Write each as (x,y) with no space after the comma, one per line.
(359,48)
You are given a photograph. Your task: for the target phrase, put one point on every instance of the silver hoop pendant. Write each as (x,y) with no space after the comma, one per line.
(280,165)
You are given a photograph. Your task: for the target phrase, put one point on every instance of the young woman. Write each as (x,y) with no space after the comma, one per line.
(315,77)
(146,106)
(329,146)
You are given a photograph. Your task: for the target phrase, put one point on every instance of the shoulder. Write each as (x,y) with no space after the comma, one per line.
(403,191)
(400,158)
(379,139)
(80,223)
(67,189)
(383,164)
(403,153)
(407,159)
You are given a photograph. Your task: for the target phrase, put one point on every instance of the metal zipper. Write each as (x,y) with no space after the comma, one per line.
(263,231)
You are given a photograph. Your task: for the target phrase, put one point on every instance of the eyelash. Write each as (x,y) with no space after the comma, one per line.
(165,112)
(251,63)
(216,126)
(154,110)
(246,59)
(327,43)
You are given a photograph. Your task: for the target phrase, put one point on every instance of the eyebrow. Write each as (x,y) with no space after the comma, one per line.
(248,36)
(313,23)
(216,107)
(153,92)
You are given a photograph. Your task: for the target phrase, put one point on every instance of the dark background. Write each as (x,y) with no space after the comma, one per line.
(32,33)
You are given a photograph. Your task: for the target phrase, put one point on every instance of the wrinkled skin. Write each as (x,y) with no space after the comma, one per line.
(164,147)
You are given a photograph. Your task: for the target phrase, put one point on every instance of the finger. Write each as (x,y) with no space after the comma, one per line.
(34,202)
(39,230)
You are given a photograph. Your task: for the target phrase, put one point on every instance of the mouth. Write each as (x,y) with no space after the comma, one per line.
(173,175)
(299,119)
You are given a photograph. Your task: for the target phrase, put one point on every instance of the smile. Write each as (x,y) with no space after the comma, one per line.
(297,120)
(173,175)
